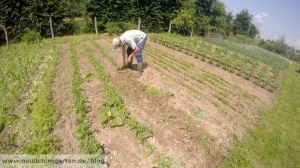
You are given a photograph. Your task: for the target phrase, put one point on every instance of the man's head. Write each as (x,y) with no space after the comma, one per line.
(116,42)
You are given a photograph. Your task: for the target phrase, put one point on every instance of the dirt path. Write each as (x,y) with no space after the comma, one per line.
(121,147)
(64,128)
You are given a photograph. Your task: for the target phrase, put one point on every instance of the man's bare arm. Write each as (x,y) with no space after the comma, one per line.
(124,55)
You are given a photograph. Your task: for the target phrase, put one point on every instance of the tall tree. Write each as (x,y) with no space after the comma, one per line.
(10,16)
(218,18)
(155,14)
(229,24)
(19,15)
(186,17)
(242,23)
(203,16)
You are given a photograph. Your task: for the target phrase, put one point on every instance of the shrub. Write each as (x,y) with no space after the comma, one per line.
(118,27)
(31,36)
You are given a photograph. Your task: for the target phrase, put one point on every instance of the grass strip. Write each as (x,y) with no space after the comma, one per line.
(276,140)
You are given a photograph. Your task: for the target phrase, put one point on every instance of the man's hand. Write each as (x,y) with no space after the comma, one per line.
(129,59)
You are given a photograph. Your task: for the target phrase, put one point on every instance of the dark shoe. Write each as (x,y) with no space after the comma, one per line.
(129,65)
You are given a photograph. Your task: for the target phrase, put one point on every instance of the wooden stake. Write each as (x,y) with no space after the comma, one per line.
(170,26)
(6,36)
(96,28)
(51,28)
(139,24)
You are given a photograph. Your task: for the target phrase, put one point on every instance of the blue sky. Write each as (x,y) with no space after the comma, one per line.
(272,17)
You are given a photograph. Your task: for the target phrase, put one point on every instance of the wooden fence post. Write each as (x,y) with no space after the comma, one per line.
(6,36)
(192,31)
(139,24)
(170,26)
(51,28)
(96,27)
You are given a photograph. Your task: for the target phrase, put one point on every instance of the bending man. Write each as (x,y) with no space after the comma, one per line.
(135,40)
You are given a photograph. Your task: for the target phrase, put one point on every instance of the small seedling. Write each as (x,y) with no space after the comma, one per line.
(162,161)
(197,112)
(190,126)
(166,116)
(148,149)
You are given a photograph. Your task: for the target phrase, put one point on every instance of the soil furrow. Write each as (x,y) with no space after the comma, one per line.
(121,147)
(64,128)
(215,119)
(167,138)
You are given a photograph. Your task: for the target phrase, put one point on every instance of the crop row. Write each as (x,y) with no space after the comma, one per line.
(43,113)
(204,78)
(114,103)
(197,82)
(249,69)
(253,52)
(88,144)
(18,64)
(113,111)
(186,68)
(191,84)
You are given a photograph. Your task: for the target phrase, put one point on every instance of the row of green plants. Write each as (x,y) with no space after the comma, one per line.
(43,113)
(230,61)
(184,81)
(274,60)
(110,59)
(141,131)
(113,111)
(88,144)
(202,79)
(185,67)
(17,64)
(192,81)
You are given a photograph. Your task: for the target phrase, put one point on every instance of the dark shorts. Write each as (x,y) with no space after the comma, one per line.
(129,51)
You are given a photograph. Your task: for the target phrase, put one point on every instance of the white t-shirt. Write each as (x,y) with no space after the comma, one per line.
(132,38)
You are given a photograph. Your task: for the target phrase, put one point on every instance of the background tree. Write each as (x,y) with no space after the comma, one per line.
(229,24)
(218,19)
(155,15)
(186,17)
(19,16)
(242,23)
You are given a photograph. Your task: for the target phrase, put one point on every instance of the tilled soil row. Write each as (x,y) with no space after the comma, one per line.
(171,134)
(67,119)
(220,89)
(120,145)
(215,123)
(234,104)
(234,80)
(223,131)
(226,123)
(245,98)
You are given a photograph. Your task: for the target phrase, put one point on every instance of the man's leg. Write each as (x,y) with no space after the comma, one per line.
(139,57)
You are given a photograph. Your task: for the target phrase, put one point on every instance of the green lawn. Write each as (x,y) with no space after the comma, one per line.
(276,140)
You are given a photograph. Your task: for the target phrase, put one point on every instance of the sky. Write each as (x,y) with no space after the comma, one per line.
(273,18)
